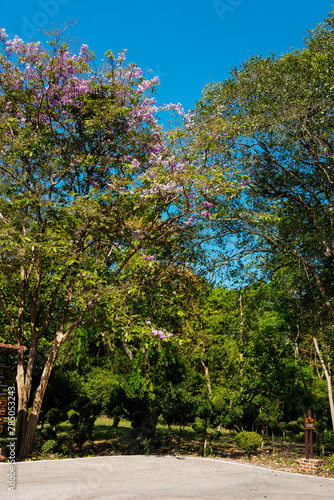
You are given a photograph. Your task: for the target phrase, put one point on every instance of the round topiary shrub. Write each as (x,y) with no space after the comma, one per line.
(65,449)
(49,446)
(54,417)
(79,438)
(248,441)
(48,434)
(294,427)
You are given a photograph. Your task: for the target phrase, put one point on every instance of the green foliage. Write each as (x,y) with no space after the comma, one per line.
(64,387)
(294,427)
(99,383)
(328,439)
(199,426)
(64,449)
(330,462)
(54,417)
(74,418)
(248,441)
(49,446)
(80,437)
(116,405)
(178,407)
(48,434)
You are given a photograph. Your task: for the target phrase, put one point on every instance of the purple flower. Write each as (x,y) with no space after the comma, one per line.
(116,318)
(148,322)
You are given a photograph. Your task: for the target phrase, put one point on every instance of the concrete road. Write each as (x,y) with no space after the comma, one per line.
(156,478)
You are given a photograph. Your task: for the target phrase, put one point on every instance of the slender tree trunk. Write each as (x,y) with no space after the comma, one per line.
(241,331)
(328,379)
(300,367)
(28,436)
(207,375)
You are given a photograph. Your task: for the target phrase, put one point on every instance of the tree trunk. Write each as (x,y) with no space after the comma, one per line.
(207,376)
(29,431)
(300,367)
(328,379)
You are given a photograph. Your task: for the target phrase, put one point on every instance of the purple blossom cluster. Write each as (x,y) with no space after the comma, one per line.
(190,220)
(162,335)
(149,257)
(208,204)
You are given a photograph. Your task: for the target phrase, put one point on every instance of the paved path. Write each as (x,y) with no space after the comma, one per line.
(157,478)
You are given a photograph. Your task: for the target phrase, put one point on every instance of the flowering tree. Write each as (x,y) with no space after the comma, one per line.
(90,189)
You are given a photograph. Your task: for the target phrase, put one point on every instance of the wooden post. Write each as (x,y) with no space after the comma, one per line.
(306,439)
(309,426)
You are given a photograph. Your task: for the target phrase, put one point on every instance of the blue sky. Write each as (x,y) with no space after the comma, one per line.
(187,43)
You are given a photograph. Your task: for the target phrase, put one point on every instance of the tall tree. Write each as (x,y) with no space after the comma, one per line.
(273,122)
(90,190)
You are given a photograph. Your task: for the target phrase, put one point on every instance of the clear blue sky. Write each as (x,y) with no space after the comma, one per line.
(187,43)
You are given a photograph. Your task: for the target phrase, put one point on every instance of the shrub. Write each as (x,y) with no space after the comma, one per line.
(294,427)
(328,439)
(199,426)
(248,441)
(65,449)
(74,418)
(49,446)
(80,437)
(54,417)
(115,406)
(48,434)
(330,462)
(100,382)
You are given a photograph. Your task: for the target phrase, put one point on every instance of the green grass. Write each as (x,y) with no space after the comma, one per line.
(109,440)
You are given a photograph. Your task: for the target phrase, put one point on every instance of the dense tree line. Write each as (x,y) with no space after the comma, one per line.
(110,226)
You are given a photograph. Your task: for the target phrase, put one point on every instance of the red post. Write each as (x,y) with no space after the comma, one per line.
(311,436)
(306,438)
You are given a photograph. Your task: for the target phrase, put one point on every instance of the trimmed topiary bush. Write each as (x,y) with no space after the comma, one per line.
(65,449)
(47,433)
(74,418)
(49,446)
(54,417)
(248,441)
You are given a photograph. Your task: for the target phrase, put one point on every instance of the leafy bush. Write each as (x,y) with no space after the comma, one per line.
(65,449)
(84,419)
(199,426)
(115,406)
(80,437)
(48,434)
(49,446)
(74,418)
(328,439)
(330,462)
(63,388)
(294,427)
(248,441)
(54,417)
(80,402)
(144,424)
(100,382)
(178,407)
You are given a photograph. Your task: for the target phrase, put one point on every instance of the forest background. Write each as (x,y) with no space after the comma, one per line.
(114,233)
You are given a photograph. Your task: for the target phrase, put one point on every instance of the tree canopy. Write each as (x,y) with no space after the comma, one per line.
(92,191)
